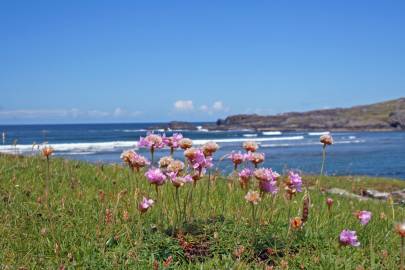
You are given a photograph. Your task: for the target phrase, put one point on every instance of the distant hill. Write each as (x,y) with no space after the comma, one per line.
(388,115)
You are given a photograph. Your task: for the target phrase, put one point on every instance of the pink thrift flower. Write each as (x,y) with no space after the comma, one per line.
(173,141)
(145,204)
(151,141)
(268,186)
(199,161)
(245,174)
(295,181)
(237,158)
(155,176)
(134,160)
(255,157)
(329,202)
(348,238)
(181,180)
(364,217)
(264,174)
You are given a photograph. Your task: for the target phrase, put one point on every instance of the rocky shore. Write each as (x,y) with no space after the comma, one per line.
(388,115)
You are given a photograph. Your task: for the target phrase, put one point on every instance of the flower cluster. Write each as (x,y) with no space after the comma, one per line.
(172,142)
(364,217)
(198,160)
(151,141)
(267,180)
(244,177)
(253,197)
(349,238)
(293,184)
(145,204)
(134,160)
(210,148)
(155,176)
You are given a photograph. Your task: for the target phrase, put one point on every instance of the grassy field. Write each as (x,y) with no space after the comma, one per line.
(91,221)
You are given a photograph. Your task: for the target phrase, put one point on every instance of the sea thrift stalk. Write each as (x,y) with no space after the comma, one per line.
(400,229)
(402,253)
(325,140)
(253,197)
(47,152)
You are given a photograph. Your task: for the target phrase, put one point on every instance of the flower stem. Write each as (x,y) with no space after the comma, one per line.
(47,180)
(322,166)
(402,253)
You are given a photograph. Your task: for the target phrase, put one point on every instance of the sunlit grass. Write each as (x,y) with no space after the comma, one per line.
(93,222)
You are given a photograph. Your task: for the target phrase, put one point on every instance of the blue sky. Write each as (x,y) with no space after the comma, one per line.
(138,61)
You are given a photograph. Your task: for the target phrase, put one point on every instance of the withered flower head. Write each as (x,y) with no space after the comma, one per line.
(185,143)
(400,229)
(164,162)
(47,151)
(253,197)
(326,139)
(175,166)
(296,223)
(250,146)
(210,148)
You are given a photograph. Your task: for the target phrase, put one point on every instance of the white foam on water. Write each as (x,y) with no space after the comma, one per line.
(318,133)
(232,140)
(250,135)
(70,147)
(308,143)
(271,133)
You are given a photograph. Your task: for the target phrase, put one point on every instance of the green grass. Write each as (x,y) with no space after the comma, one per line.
(73,231)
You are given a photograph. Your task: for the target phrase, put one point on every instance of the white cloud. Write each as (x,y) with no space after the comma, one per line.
(184,105)
(204,108)
(218,106)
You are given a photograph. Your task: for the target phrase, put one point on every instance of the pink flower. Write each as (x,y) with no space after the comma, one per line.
(294,181)
(255,157)
(245,174)
(145,204)
(181,180)
(348,238)
(250,146)
(329,202)
(151,141)
(264,174)
(134,160)
(244,177)
(155,176)
(268,186)
(237,158)
(173,141)
(199,161)
(210,148)
(267,180)
(364,217)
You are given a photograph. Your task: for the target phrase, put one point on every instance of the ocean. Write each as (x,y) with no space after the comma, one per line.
(354,152)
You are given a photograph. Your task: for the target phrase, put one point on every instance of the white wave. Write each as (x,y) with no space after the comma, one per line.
(271,133)
(308,143)
(130,130)
(250,135)
(318,133)
(232,140)
(71,147)
(133,130)
(352,137)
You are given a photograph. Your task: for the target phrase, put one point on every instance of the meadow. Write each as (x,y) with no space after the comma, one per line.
(145,214)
